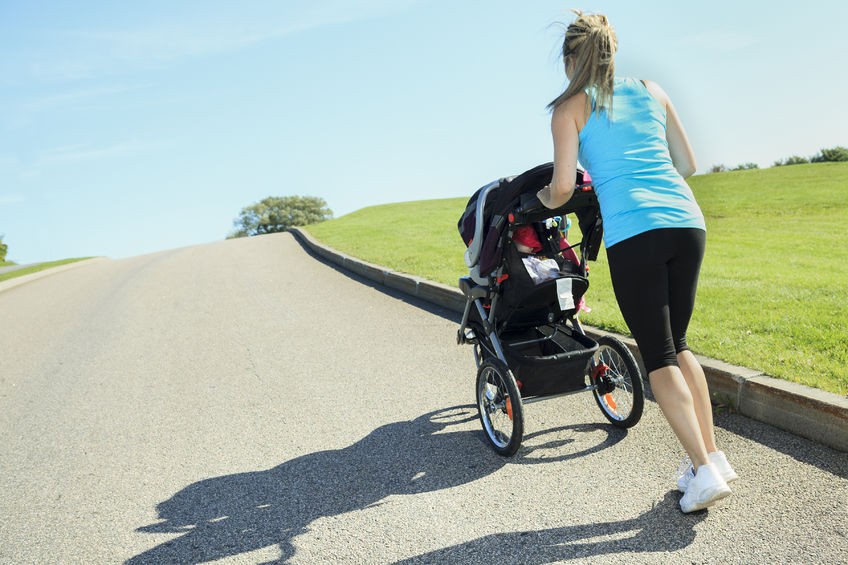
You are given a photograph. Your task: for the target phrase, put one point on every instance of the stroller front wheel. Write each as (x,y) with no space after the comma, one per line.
(499,404)
(617,383)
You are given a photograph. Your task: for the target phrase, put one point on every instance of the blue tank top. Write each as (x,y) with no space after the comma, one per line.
(637,185)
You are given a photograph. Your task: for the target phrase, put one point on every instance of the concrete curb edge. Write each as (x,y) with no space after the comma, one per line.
(805,411)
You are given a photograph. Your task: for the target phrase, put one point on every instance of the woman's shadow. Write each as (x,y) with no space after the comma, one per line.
(235,514)
(661,529)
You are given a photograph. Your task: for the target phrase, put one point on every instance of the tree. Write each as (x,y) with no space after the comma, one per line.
(3,250)
(718,169)
(827,155)
(278,214)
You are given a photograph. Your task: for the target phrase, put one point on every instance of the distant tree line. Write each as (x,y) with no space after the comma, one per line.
(743,167)
(838,153)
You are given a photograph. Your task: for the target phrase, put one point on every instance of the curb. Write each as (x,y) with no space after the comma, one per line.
(802,410)
(23,279)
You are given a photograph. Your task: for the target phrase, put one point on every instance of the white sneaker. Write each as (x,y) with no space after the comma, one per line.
(686,473)
(704,490)
(718,459)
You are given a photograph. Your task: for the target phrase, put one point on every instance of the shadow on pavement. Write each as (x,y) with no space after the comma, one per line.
(661,529)
(563,443)
(234,514)
(801,449)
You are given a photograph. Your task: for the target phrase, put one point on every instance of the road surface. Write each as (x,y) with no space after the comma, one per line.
(243,402)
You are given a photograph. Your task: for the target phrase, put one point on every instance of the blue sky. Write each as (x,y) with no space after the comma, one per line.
(132,127)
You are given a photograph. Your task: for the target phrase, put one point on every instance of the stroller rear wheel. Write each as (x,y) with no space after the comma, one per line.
(617,383)
(499,403)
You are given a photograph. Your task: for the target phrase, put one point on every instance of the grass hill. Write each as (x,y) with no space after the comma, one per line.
(773,294)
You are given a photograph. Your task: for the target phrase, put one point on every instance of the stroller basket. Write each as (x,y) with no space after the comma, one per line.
(549,359)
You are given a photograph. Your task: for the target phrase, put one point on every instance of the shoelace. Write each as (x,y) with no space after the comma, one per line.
(684,467)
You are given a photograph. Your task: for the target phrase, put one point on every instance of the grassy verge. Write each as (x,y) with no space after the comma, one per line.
(36,268)
(772,294)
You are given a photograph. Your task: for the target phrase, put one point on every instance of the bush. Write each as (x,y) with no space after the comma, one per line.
(746,167)
(838,153)
(718,169)
(794,160)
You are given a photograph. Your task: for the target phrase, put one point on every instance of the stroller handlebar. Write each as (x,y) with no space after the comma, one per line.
(529,204)
(531,209)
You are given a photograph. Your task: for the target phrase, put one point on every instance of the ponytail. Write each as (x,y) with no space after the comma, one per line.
(591,44)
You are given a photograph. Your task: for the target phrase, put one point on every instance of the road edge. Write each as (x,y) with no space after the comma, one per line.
(23,279)
(802,410)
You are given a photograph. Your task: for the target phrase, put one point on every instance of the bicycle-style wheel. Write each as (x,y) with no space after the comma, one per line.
(499,403)
(617,383)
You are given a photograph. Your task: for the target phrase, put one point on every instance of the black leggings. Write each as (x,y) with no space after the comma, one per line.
(655,277)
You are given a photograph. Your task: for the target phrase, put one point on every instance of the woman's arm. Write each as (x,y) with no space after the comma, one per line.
(682,155)
(566,142)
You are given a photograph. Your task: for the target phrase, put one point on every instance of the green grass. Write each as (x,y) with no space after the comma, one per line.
(418,238)
(773,293)
(36,268)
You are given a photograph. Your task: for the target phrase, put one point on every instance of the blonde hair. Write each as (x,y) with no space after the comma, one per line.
(591,43)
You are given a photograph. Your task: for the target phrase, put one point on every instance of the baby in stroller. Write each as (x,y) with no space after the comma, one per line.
(540,266)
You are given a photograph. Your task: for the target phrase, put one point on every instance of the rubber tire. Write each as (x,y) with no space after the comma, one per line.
(495,370)
(627,363)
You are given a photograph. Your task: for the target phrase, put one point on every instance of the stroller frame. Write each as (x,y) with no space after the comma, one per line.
(547,354)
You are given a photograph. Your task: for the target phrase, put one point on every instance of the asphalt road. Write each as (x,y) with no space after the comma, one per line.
(243,402)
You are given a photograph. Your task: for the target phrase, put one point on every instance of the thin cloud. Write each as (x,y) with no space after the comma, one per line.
(173,42)
(11,199)
(91,52)
(78,95)
(78,153)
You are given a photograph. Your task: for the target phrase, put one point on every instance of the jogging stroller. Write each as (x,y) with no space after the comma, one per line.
(522,303)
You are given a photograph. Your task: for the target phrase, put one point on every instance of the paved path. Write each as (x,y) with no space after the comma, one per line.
(245,402)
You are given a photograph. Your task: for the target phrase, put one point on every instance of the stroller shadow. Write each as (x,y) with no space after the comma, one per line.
(563,443)
(234,514)
(660,529)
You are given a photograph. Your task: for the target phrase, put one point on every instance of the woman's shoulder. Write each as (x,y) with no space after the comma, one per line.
(576,102)
(573,109)
(656,91)
(573,106)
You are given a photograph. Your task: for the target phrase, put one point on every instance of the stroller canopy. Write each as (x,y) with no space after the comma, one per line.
(486,217)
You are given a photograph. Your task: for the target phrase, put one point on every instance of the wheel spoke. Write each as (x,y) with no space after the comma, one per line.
(495,408)
(618,403)
(495,390)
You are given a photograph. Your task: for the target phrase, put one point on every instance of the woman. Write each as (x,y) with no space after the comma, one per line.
(627,134)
